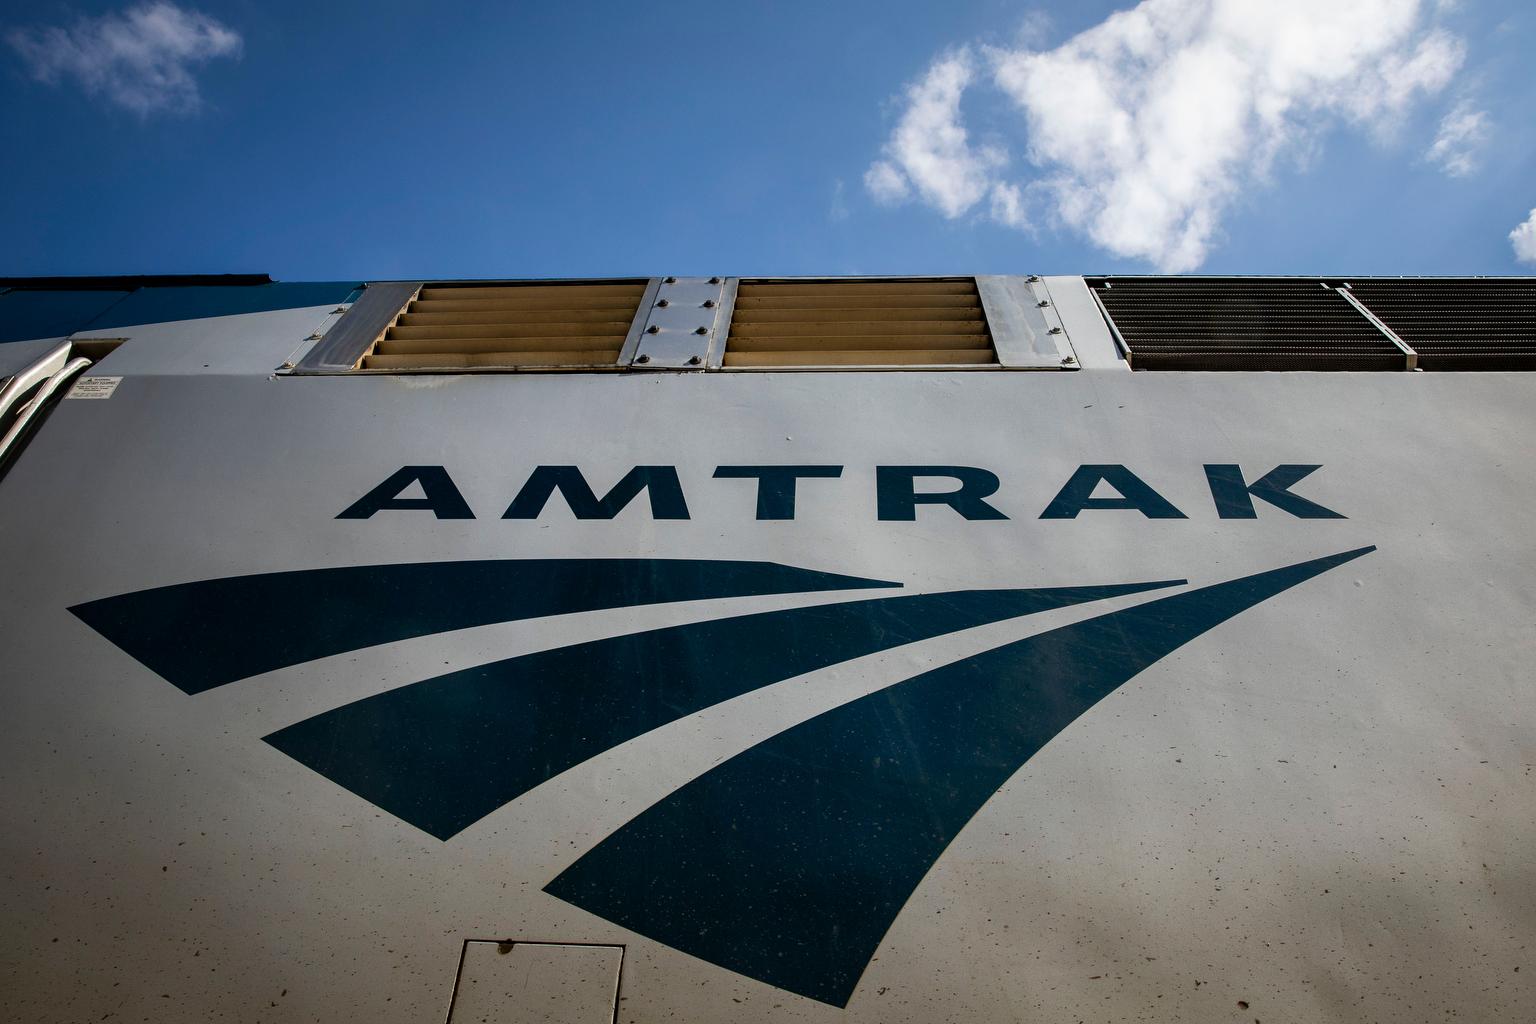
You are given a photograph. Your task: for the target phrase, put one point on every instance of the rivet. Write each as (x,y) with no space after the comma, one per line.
(701,330)
(642,358)
(1054,330)
(669,280)
(653,329)
(663,304)
(714,280)
(709,303)
(1043,303)
(694,360)
(1032,278)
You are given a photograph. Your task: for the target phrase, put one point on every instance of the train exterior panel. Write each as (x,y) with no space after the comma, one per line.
(675,693)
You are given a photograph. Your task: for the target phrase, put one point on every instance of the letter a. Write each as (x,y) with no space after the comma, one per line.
(439,495)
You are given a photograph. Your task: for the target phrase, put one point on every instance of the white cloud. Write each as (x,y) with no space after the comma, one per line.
(141,58)
(1008,205)
(1458,145)
(929,154)
(886,183)
(1143,130)
(838,211)
(1523,238)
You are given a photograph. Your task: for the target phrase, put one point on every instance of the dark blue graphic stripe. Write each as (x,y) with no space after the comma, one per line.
(789,862)
(445,752)
(205,634)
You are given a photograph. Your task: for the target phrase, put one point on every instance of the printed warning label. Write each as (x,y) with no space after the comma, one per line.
(94,387)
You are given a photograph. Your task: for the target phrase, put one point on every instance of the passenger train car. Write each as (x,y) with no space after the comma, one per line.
(998,648)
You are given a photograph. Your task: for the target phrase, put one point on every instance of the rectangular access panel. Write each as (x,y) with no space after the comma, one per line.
(536,983)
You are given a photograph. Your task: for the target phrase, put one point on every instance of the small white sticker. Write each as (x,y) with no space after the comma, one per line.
(94,387)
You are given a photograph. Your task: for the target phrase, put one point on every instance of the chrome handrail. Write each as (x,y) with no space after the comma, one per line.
(18,386)
(39,400)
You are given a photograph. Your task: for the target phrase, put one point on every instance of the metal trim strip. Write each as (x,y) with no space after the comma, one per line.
(724,320)
(631,346)
(1410,356)
(1114,330)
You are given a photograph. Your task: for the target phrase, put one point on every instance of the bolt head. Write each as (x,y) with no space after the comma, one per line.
(694,360)
(642,358)
(709,303)
(663,303)
(653,329)
(714,280)
(1055,330)
(701,330)
(669,280)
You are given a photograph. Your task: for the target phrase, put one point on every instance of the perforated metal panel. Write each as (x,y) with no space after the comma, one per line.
(933,322)
(463,326)
(1458,323)
(1207,323)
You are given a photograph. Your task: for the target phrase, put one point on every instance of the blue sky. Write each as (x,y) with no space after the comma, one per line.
(335,140)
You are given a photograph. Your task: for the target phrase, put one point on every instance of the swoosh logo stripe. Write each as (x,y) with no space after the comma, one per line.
(444,752)
(789,862)
(208,633)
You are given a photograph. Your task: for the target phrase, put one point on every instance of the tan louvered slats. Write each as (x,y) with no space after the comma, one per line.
(859,323)
(513,325)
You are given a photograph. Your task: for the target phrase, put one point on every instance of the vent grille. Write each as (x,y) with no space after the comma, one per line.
(1192,323)
(508,326)
(859,323)
(1458,324)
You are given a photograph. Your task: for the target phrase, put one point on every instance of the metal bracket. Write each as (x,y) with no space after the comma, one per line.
(1411,357)
(1026,332)
(681,325)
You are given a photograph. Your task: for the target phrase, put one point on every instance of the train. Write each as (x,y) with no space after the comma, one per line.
(881,649)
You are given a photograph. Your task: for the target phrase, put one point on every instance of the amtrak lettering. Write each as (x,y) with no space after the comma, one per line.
(899,491)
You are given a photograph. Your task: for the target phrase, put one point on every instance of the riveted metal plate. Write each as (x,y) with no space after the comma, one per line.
(350,337)
(682,324)
(1026,332)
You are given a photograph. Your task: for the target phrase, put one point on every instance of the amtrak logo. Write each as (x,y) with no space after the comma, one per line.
(786,863)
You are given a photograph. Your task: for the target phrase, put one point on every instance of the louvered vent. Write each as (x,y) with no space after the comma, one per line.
(859,323)
(1194,323)
(1458,323)
(469,326)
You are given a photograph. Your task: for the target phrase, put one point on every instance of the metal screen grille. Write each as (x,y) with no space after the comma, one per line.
(1194,323)
(859,323)
(451,326)
(1458,324)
